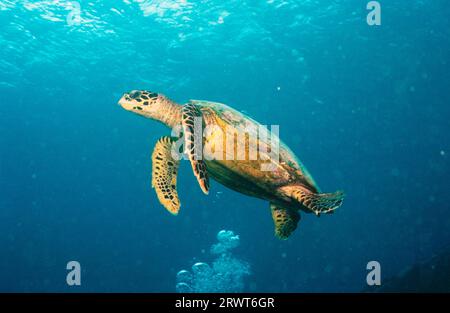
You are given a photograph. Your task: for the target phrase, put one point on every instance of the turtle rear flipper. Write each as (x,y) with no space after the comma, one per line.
(318,203)
(164,175)
(285,221)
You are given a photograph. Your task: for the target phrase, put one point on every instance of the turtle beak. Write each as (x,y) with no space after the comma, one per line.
(125,102)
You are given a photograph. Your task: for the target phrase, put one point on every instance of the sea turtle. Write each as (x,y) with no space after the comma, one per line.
(283,181)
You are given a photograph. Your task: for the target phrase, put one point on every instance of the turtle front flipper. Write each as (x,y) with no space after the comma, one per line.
(192,123)
(285,220)
(164,174)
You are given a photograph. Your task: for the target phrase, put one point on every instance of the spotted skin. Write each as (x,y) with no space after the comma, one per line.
(190,114)
(289,188)
(164,175)
(142,98)
(318,203)
(285,221)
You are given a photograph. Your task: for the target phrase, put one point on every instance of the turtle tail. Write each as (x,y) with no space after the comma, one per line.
(317,202)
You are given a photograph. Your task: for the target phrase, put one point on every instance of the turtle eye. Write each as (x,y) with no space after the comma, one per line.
(135,94)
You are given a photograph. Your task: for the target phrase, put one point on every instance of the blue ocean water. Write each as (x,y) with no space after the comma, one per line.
(364,107)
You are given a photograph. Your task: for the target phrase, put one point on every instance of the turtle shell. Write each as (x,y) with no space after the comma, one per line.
(238,153)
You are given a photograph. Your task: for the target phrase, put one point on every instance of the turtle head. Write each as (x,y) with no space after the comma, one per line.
(152,105)
(142,102)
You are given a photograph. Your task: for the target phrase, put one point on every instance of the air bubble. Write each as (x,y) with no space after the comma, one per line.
(184,276)
(183,288)
(227,241)
(225,275)
(201,268)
